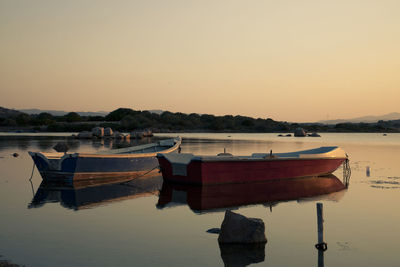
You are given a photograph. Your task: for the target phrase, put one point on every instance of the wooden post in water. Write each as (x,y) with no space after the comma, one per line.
(321,245)
(320,258)
(320,221)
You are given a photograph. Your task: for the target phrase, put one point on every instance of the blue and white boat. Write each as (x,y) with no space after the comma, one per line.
(118,163)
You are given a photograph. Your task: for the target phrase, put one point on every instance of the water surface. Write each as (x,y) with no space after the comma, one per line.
(125,225)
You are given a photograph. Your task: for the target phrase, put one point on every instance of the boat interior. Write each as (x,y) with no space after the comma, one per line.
(322,152)
(145,148)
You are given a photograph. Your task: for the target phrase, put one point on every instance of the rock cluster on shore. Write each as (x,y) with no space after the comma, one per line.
(300,132)
(100,133)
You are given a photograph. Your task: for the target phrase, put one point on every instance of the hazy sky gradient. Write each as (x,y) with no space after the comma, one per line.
(286,60)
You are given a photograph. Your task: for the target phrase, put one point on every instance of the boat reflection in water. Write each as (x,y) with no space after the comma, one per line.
(92,193)
(204,199)
(215,197)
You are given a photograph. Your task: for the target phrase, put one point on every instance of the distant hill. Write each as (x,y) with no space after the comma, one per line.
(8,113)
(62,113)
(366,119)
(82,113)
(126,119)
(156,111)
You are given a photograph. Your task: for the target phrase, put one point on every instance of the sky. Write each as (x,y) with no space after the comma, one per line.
(298,61)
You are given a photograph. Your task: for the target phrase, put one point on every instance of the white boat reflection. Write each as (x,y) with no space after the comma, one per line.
(90,194)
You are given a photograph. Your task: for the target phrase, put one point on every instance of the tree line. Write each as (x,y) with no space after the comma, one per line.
(125,119)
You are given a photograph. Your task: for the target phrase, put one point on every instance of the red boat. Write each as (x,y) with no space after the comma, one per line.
(226,168)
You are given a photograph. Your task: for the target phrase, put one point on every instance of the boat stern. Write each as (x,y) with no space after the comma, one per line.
(54,166)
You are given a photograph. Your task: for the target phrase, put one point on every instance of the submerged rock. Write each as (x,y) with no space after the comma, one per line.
(314,135)
(138,134)
(118,135)
(237,228)
(85,135)
(61,147)
(214,231)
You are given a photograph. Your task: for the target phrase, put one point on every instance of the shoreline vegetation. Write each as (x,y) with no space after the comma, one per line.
(125,120)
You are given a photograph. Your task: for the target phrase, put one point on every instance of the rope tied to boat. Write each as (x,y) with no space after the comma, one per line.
(144,174)
(346,171)
(140,176)
(33,169)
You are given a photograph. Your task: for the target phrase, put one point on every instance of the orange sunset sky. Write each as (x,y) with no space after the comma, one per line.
(287,60)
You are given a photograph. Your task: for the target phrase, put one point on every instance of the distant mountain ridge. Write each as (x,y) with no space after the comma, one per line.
(6,113)
(126,119)
(62,113)
(367,119)
(81,113)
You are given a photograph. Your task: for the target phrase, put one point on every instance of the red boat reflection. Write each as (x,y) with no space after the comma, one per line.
(211,197)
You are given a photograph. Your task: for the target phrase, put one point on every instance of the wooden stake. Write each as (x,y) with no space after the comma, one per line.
(321,245)
(320,220)
(320,258)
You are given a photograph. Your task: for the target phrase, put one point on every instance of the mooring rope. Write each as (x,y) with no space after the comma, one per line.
(139,187)
(126,183)
(30,179)
(156,167)
(33,169)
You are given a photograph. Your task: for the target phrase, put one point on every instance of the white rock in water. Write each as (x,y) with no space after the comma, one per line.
(108,131)
(98,131)
(148,133)
(299,132)
(237,228)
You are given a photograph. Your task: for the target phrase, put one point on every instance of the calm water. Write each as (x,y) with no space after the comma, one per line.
(133,225)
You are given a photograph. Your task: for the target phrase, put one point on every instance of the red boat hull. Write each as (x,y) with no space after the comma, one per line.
(222,172)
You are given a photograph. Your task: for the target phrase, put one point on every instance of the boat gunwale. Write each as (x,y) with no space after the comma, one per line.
(61,156)
(249,159)
(54,161)
(334,152)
